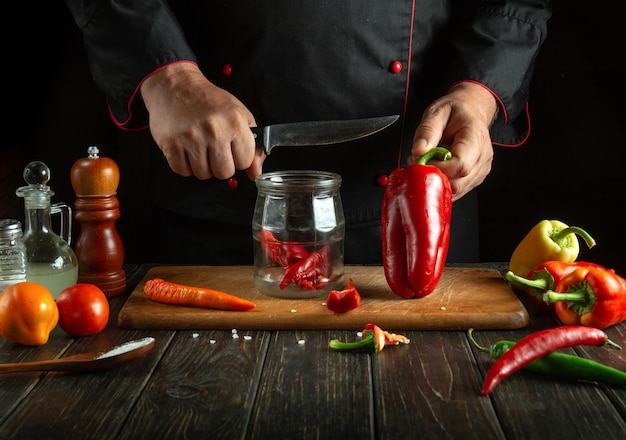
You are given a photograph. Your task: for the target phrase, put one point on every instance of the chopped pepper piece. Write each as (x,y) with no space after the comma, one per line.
(373,340)
(548,240)
(341,301)
(591,297)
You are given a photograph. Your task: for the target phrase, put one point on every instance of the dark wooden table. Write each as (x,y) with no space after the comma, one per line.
(288,385)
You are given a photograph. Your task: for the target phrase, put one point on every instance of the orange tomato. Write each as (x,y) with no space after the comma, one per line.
(28,313)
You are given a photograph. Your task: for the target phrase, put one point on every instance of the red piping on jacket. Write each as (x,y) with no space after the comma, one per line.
(136,93)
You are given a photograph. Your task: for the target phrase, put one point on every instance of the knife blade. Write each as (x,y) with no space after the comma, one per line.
(295,134)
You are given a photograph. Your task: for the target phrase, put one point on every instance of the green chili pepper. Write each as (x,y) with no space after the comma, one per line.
(561,365)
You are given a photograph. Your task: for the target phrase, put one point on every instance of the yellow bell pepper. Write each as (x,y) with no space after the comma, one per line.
(548,240)
(28,313)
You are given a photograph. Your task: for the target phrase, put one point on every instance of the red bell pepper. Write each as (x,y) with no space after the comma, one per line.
(545,276)
(341,301)
(591,297)
(416,212)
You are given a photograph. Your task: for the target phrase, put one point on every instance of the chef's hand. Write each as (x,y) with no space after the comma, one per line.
(200,128)
(459,121)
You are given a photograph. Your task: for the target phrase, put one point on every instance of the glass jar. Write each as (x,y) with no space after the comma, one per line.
(298,229)
(12,253)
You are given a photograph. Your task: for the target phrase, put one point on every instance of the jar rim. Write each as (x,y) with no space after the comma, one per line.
(298,179)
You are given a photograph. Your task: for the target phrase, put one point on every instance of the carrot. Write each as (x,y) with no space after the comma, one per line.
(172,293)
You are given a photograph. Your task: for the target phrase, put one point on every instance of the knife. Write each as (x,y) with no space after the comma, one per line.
(298,134)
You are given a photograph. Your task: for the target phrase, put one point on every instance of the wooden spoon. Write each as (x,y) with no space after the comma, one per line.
(97,360)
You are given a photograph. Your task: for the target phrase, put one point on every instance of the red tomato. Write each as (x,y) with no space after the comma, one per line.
(83,310)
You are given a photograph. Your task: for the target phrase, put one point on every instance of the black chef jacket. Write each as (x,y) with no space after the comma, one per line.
(313,60)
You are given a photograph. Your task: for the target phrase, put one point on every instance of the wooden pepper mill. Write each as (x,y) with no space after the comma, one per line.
(99,248)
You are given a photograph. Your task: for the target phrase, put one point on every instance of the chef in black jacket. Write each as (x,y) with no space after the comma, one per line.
(199,74)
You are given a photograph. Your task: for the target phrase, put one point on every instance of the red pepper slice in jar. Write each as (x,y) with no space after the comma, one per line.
(310,273)
(416,212)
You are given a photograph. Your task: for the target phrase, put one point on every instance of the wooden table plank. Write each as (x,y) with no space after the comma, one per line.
(204,387)
(430,389)
(310,392)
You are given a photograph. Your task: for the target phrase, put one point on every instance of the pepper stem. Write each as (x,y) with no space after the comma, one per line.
(439,153)
(470,335)
(367,343)
(560,236)
(539,283)
(551,296)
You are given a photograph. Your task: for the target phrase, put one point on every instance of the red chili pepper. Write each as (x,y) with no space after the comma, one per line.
(545,276)
(540,344)
(591,297)
(340,301)
(416,212)
(281,252)
(310,272)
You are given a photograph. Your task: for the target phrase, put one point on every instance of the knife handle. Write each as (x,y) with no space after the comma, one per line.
(259,138)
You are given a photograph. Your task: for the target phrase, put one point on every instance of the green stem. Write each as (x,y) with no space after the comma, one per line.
(439,153)
(539,283)
(559,237)
(552,296)
(367,343)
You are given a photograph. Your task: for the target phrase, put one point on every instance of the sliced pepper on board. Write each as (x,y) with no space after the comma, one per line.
(545,277)
(416,212)
(548,240)
(341,301)
(590,297)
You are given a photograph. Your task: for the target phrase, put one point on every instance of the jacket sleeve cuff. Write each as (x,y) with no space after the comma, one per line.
(135,113)
(504,131)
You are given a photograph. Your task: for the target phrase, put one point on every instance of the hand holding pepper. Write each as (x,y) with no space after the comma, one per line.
(416,212)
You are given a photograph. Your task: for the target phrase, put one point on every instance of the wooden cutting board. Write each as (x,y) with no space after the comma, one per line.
(465,297)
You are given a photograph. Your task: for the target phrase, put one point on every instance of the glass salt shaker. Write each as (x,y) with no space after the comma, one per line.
(12,253)
(298,229)
(49,258)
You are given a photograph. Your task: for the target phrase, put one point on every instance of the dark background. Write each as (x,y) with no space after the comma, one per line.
(571,168)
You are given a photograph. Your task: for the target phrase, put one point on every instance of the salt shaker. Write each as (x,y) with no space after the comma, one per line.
(12,253)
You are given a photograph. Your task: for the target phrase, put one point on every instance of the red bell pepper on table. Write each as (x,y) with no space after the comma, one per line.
(545,277)
(593,297)
(416,212)
(539,344)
